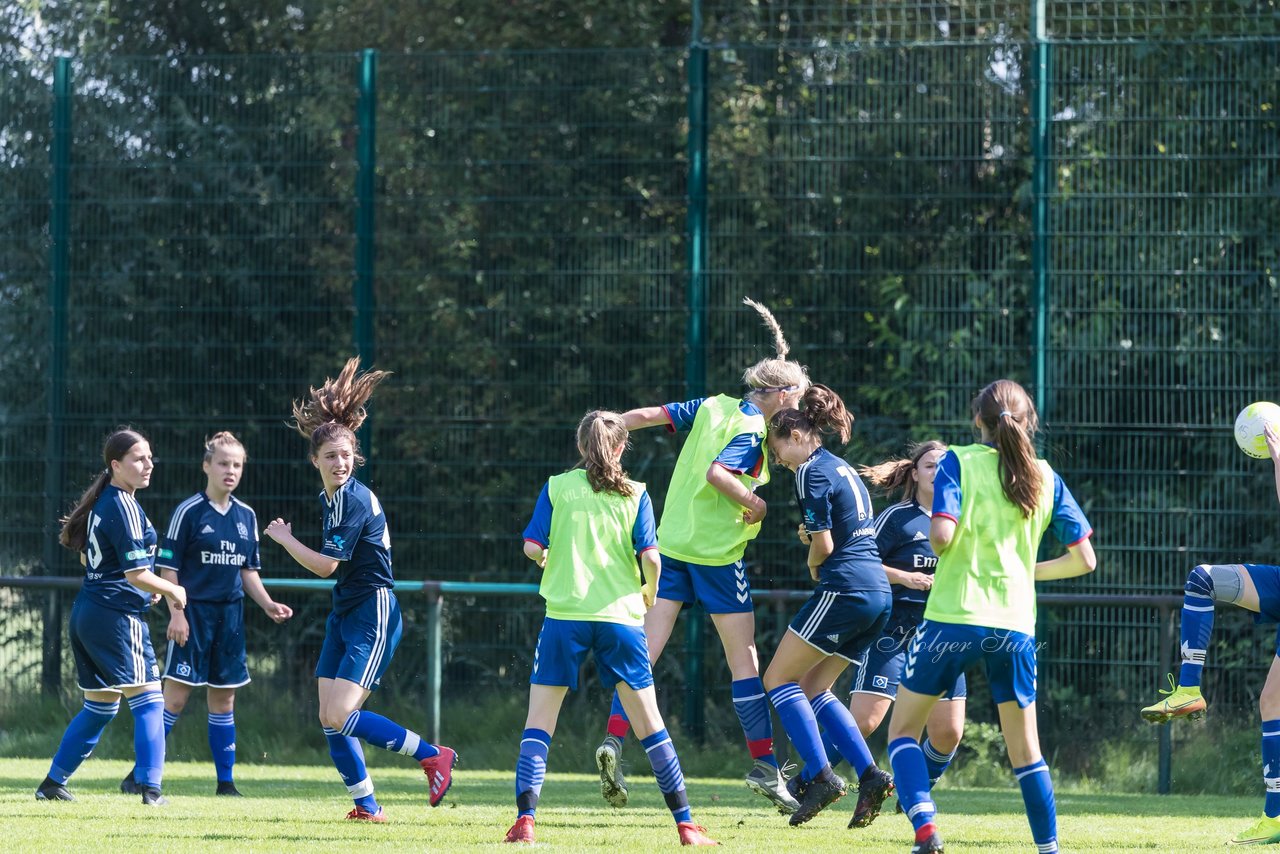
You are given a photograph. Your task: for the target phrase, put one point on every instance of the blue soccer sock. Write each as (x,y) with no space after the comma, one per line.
(666,768)
(1197,625)
(348,758)
(222,744)
(619,725)
(80,738)
(935,760)
(753,714)
(912,781)
(1271,766)
(836,719)
(1042,813)
(387,734)
(531,770)
(148,738)
(170,720)
(834,756)
(797,719)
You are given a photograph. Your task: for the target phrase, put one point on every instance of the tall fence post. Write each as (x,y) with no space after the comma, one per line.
(366,173)
(1168,640)
(55,404)
(1040,176)
(696,356)
(435,613)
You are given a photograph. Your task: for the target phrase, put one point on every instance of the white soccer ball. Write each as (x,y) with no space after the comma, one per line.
(1249,424)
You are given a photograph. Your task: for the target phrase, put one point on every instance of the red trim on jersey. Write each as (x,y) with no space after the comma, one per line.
(1082,539)
(938,514)
(671,422)
(734,471)
(535,542)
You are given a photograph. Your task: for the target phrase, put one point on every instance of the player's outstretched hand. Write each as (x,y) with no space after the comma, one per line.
(278,612)
(917,581)
(179,630)
(279,530)
(1273,440)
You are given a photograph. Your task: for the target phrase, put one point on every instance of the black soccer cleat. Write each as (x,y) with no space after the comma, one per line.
(226,787)
(873,787)
(49,790)
(129,785)
(151,797)
(818,795)
(932,845)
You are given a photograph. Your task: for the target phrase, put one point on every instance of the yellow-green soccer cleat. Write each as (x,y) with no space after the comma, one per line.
(1180,703)
(1265,831)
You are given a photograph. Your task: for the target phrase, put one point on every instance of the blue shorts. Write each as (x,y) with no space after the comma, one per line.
(842,624)
(719,589)
(878,673)
(214,652)
(112,649)
(940,652)
(359,644)
(1266,579)
(622,655)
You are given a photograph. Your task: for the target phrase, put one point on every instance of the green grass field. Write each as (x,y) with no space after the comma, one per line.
(293,807)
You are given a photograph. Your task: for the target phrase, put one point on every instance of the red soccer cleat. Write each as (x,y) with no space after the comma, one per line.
(693,834)
(521,831)
(439,771)
(362,814)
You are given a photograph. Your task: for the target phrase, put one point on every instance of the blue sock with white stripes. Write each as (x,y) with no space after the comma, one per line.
(935,760)
(1271,766)
(753,714)
(148,737)
(912,781)
(1197,625)
(1042,813)
(833,752)
(836,719)
(802,728)
(348,758)
(170,719)
(531,770)
(387,734)
(222,743)
(80,738)
(666,768)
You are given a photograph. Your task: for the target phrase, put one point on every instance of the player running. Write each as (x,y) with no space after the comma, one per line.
(109,637)
(211,546)
(992,504)
(848,608)
(363,631)
(1256,588)
(711,513)
(588,526)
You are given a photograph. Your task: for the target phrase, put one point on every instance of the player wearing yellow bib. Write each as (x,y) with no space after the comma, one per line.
(711,513)
(992,504)
(588,526)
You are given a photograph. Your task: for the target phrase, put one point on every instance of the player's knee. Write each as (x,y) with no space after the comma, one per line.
(1200,582)
(945,739)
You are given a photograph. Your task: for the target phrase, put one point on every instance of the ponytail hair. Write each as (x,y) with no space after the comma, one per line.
(821,411)
(600,432)
(892,475)
(336,410)
(75,525)
(1007,416)
(775,374)
(222,439)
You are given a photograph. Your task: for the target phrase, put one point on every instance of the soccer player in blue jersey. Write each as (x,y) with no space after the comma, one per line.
(902,536)
(710,515)
(211,547)
(363,631)
(587,528)
(992,504)
(848,608)
(1254,587)
(109,637)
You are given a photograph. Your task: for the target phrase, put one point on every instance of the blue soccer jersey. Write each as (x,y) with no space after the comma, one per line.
(743,454)
(120,539)
(356,533)
(208,547)
(833,498)
(902,535)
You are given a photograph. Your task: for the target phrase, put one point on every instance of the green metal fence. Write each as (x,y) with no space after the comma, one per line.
(1081,196)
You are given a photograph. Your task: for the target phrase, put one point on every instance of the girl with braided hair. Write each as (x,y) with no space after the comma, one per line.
(710,515)
(363,630)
